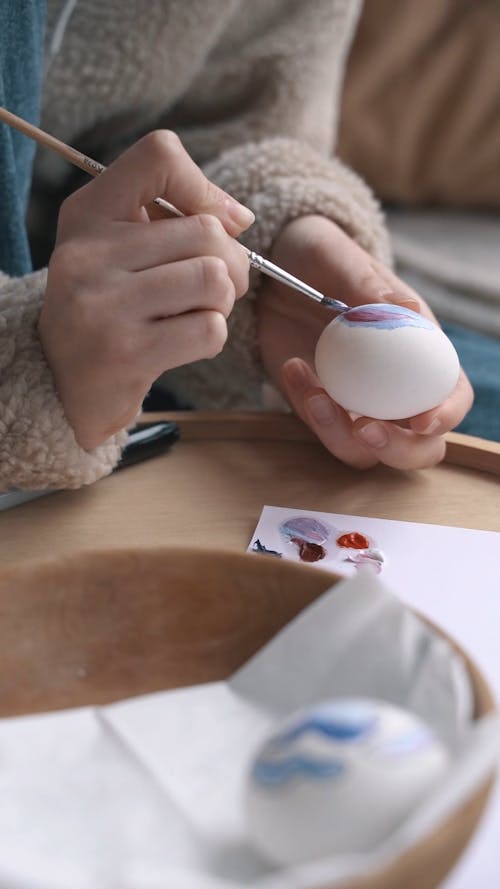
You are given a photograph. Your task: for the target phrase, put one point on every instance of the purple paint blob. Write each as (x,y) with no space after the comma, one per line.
(305,528)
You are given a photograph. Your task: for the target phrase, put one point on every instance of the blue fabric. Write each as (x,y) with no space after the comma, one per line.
(480,358)
(21,57)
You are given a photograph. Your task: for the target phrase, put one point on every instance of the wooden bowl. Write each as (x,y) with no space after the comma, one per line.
(96,627)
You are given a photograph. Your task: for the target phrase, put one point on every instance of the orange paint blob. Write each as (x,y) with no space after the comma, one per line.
(353,540)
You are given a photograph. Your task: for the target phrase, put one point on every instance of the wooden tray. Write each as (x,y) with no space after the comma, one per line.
(96,627)
(210,488)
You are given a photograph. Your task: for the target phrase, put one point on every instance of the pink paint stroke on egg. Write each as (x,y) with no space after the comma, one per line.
(384,316)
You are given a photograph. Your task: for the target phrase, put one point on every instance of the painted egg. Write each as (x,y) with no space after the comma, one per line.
(339,778)
(385,361)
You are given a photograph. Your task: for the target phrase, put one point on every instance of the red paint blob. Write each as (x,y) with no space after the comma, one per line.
(309,552)
(353,540)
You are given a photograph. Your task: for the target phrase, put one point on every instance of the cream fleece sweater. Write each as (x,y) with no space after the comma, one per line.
(253,91)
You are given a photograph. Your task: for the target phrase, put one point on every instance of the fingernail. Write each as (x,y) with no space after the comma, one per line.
(433,427)
(240,215)
(322,410)
(295,376)
(373,434)
(410,303)
(377,291)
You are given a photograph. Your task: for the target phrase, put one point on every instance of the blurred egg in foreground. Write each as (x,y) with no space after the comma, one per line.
(339,778)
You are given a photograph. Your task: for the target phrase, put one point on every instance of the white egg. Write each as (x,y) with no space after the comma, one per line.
(385,361)
(339,778)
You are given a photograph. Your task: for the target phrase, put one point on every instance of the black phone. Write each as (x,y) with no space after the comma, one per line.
(148,440)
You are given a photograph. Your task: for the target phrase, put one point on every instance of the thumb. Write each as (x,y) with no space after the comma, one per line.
(158,165)
(375,283)
(339,267)
(367,281)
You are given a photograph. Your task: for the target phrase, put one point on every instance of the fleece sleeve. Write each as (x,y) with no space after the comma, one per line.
(273,150)
(37,446)
(280,180)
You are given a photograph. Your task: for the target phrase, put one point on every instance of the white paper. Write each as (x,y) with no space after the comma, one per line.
(451,574)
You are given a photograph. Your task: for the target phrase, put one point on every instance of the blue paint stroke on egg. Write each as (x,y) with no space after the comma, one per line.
(337,723)
(277,773)
(383,316)
(305,528)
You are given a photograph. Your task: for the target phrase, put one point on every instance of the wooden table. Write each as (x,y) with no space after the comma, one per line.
(209,489)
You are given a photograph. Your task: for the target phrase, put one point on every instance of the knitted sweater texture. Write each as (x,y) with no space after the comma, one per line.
(253,91)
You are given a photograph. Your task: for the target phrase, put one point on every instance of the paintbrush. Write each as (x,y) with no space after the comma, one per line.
(94,169)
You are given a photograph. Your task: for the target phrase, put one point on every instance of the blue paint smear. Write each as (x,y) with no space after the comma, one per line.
(341,723)
(277,773)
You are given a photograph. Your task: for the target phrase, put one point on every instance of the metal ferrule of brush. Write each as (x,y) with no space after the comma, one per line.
(279,274)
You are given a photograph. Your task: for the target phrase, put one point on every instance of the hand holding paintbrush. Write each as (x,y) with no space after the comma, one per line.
(127,299)
(139,299)
(94,169)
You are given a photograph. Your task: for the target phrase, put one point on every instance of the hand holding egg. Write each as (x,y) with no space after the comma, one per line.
(323,254)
